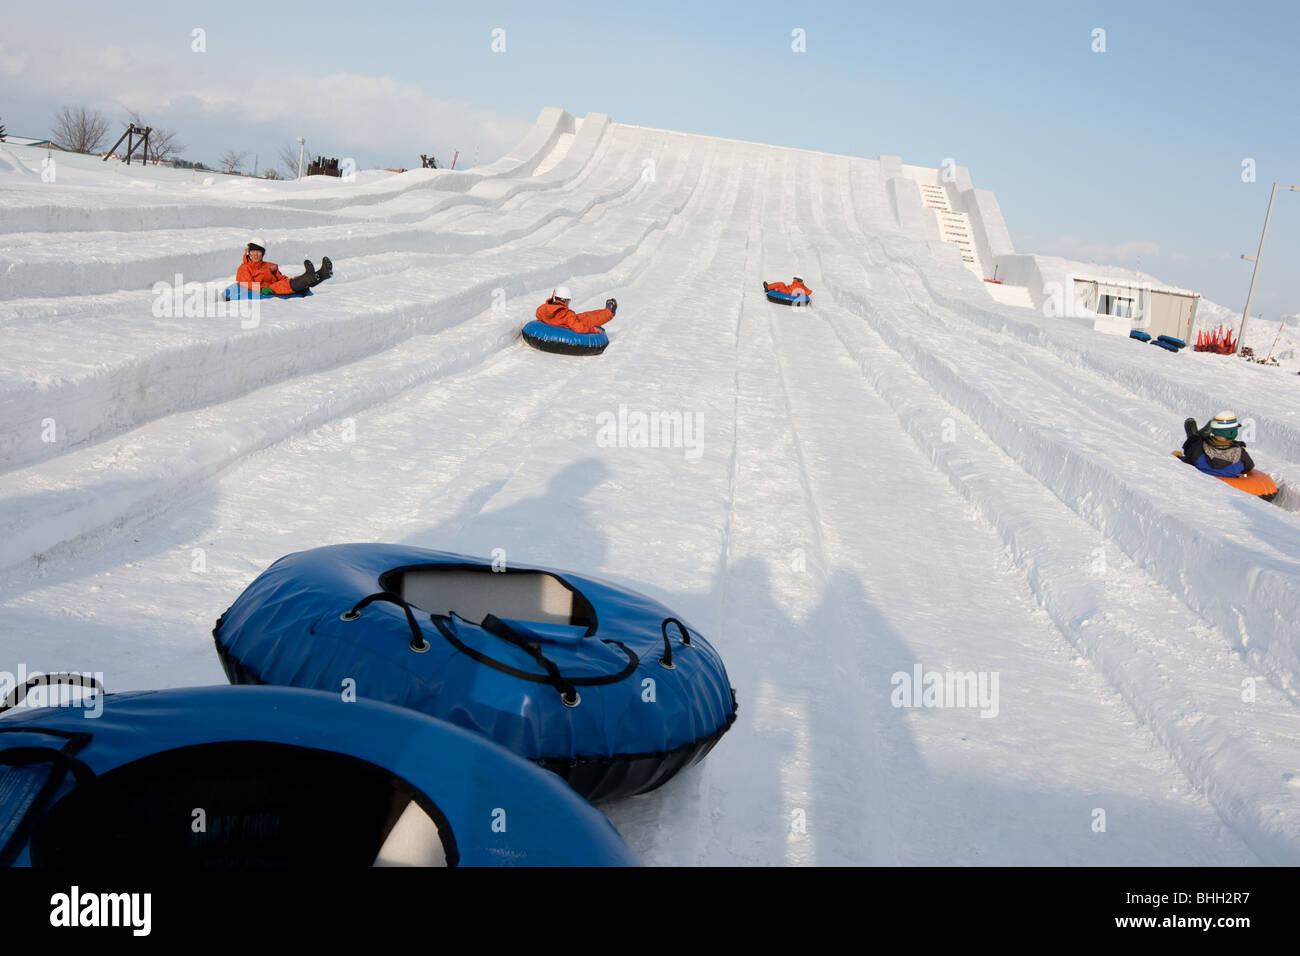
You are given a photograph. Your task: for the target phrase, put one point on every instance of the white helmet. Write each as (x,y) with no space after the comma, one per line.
(561,292)
(258,242)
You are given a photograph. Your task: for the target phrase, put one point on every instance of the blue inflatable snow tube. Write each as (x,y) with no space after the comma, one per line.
(785,298)
(237,291)
(1140,336)
(285,778)
(555,338)
(1170,340)
(604,686)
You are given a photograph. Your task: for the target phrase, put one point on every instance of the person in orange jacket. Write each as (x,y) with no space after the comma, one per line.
(556,311)
(260,276)
(796,287)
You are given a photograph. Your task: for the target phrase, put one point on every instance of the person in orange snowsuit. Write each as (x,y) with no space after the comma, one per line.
(556,311)
(259,276)
(796,287)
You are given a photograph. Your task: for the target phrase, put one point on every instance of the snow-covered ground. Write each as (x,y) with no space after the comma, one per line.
(908,478)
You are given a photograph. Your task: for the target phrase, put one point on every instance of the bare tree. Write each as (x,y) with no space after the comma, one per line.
(232,162)
(2,132)
(289,160)
(163,144)
(272,173)
(80,130)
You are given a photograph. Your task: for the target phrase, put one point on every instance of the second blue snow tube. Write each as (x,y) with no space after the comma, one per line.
(555,338)
(281,777)
(237,291)
(606,687)
(785,298)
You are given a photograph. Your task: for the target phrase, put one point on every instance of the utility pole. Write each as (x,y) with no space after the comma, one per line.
(302,145)
(1241,334)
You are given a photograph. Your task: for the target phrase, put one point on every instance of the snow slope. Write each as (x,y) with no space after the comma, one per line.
(907,475)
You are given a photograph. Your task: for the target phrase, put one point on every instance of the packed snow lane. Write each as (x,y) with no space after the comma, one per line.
(852,607)
(1189,691)
(930,668)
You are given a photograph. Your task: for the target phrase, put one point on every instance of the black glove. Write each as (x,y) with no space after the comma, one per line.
(612,305)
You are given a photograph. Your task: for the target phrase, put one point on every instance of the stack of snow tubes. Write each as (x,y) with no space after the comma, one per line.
(413,701)
(555,338)
(1169,343)
(604,686)
(281,777)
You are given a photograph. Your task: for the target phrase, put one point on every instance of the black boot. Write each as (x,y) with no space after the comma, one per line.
(313,277)
(302,283)
(326,269)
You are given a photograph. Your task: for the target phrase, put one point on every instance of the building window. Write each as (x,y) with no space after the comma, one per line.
(1115,305)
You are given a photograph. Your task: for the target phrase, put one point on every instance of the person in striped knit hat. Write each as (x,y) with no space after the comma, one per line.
(1214,449)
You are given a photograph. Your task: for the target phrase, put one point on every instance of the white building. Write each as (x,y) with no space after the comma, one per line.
(1157,312)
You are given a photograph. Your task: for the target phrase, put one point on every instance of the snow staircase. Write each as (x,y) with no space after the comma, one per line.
(954,227)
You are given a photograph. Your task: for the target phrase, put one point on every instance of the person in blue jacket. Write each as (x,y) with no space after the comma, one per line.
(1214,449)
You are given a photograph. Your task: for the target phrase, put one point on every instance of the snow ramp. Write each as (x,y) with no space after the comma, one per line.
(973,610)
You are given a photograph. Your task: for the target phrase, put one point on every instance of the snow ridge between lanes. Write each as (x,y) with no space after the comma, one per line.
(209,363)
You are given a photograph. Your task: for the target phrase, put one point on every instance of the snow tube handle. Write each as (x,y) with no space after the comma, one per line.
(418,643)
(499,628)
(19,694)
(667,660)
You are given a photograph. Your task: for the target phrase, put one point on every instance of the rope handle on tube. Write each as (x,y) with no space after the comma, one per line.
(499,628)
(667,659)
(19,694)
(418,643)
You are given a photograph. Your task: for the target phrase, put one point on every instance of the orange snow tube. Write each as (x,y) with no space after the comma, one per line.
(1254,482)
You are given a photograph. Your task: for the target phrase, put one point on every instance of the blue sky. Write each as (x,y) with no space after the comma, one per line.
(1131,157)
